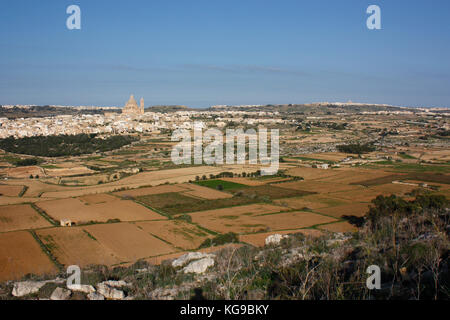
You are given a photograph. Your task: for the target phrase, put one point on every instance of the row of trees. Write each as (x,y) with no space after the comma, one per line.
(63,145)
(356,148)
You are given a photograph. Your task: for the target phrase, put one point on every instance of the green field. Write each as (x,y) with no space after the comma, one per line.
(174,203)
(226,185)
(406,156)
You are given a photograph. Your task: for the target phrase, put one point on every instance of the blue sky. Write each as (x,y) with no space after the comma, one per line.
(205,52)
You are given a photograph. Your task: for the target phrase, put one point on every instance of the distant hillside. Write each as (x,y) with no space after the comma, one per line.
(44,111)
(315,108)
(167,109)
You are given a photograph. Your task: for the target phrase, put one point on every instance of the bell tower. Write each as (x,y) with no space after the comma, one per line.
(142,105)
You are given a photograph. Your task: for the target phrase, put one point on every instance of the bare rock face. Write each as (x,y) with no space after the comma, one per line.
(164,294)
(95,296)
(186,258)
(199,266)
(81,288)
(25,288)
(110,293)
(116,284)
(338,239)
(274,239)
(60,294)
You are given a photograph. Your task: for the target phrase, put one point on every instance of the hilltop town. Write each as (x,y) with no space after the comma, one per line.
(134,119)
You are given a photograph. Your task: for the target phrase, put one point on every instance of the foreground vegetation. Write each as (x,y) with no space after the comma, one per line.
(408,240)
(64,145)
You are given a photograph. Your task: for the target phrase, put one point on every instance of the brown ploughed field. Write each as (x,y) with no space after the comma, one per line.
(20,217)
(20,254)
(179,233)
(128,242)
(74,246)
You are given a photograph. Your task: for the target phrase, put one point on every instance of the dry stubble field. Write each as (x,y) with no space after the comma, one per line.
(74,246)
(20,217)
(82,212)
(128,242)
(284,207)
(20,254)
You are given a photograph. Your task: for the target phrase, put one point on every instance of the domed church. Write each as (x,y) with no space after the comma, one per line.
(132,108)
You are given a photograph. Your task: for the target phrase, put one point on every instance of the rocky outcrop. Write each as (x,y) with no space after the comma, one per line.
(95,296)
(81,288)
(199,266)
(109,292)
(116,284)
(60,294)
(25,288)
(274,239)
(186,258)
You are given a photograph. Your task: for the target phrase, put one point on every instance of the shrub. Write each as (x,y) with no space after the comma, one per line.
(356,148)
(230,237)
(184,217)
(27,162)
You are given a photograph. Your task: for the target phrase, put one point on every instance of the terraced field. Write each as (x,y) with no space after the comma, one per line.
(159,222)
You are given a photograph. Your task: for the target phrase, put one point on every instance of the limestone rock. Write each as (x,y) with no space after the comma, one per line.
(164,294)
(25,288)
(60,294)
(95,296)
(116,284)
(81,288)
(199,266)
(186,258)
(110,293)
(338,239)
(274,239)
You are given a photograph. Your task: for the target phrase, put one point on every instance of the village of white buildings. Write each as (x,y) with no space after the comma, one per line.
(132,118)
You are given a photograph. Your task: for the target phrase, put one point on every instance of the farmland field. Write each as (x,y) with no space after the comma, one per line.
(338,227)
(318,186)
(174,203)
(128,242)
(292,220)
(178,233)
(20,254)
(353,209)
(256,218)
(226,185)
(150,190)
(204,192)
(10,191)
(158,222)
(274,192)
(314,201)
(232,219)
(244,181)
(74,246)
(97,198)
(20,217)
(81,212)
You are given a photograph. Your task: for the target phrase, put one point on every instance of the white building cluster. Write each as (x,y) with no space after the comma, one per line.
(120,123)
(111,123)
